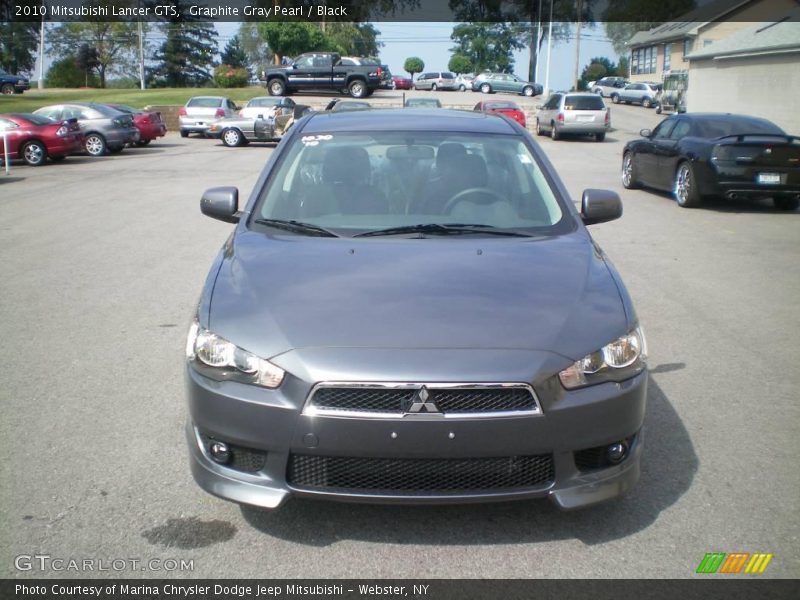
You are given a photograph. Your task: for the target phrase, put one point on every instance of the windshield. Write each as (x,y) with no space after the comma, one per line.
(357,182)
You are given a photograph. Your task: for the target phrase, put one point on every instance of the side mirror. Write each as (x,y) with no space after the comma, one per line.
(599,206)
(221,203)
(645,133)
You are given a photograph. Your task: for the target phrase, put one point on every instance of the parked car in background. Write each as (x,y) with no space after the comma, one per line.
(578,113)
(489,83)
(608,85)
(697,155)
(324,71)
(423,103)
(436,80)
(201,111)
(13,84)
(503,107)
(266,106)
(149,123)
(35,138)
(240,131)
(636,93)
(464,81)
(338,105)
(298,385)
(104,129)
(402,83)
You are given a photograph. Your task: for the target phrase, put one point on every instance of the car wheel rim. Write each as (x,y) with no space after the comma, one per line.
(485,89)
(627,170)
(528,92)
(357,89)
(275,88)
(34,153)
(231,138)
(683,184)
(94,145)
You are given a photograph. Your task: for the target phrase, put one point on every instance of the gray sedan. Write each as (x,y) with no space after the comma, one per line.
(462,339)
(239,131)
(104,129)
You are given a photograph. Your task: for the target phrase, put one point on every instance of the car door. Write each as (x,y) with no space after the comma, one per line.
(300,76)
(669,152)
(13,133)
(647,153)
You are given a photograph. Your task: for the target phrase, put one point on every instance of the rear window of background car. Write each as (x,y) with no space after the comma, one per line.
(205,102)
(584,103)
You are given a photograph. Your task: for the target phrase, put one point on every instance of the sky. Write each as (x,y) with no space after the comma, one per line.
(431,42)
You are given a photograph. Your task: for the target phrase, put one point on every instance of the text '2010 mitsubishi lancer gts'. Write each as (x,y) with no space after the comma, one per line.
(410,309)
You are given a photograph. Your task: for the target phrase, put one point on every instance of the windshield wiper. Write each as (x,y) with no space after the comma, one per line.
(296,226)
(444,229)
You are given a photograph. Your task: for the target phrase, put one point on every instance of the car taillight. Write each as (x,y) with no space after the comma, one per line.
(380,72)
(608,116)
(560,117)
(182,112)
(220,113)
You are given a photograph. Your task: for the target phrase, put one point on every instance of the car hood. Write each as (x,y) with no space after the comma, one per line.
(274,294)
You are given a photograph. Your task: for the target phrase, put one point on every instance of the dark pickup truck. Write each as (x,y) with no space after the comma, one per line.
(12,84)
(322,71)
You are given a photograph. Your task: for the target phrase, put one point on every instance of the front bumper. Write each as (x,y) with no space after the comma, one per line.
(269,424)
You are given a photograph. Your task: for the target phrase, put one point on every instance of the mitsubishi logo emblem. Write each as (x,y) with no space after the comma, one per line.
(420,403)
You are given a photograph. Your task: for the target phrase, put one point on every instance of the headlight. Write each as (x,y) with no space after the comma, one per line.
(620,360)
(217,358)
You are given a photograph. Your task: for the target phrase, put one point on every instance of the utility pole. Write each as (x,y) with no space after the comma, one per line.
(538,37)
(40,83)
(578,45)
(549,39)
(141,56)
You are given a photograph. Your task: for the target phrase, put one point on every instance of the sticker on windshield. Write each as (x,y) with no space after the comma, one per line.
(314,140)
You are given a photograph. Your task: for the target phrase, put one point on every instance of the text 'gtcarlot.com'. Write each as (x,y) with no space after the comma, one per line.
(45,562)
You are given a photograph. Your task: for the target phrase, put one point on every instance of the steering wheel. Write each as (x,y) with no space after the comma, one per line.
(490,195)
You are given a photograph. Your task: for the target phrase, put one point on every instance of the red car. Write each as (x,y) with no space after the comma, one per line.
(506,107)
(401,83)
(149,124)
(33,138)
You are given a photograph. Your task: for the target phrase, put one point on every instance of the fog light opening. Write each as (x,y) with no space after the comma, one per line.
(219,452)
(617,452)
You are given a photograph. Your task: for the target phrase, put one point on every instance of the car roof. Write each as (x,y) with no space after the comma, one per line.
(397,119)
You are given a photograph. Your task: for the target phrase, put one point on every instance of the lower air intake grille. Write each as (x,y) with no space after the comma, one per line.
(419,476)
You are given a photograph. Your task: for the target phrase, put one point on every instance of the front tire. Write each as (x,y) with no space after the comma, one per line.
(276,87)
(7,89)
(232,138)
(95,144)
(184,133)
(629,175)
(357,89)
(646,103)
(486,88)
(615,98)
(34,154)
(554,134)
(685,189)
(527,91)
(434,87)
(462,88)
(786,203)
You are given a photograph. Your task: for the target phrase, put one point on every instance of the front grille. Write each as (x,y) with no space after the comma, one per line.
(419,476)
(458,400)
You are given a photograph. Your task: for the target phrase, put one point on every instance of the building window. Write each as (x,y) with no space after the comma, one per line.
(687,47)
(667,56)
(643,60)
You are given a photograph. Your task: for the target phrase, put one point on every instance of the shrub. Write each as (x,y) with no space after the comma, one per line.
(226,76)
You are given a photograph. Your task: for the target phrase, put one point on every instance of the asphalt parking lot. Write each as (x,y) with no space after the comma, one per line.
(102,261)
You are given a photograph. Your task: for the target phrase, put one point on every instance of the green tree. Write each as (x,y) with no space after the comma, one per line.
(354,39)
(459,64)
(227,76)
(114,42)
(66,73)
(233,55)
(86,60)
(258,52)
(624,67)
(488,45)
(592,72)
(18,44)
(287,38)
(186,57)
(413,65)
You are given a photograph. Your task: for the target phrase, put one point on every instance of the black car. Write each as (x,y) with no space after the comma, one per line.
(707,154)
